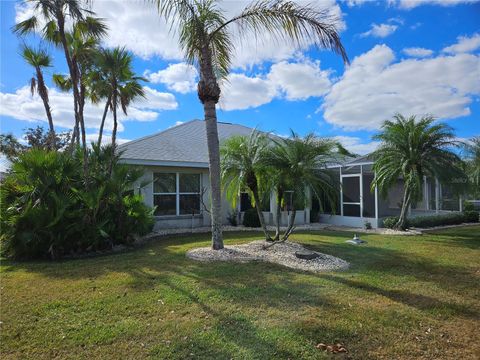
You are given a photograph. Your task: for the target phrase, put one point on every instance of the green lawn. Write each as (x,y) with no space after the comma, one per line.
(404,297)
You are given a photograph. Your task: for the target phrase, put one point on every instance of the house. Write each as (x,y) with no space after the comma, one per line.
(175,180)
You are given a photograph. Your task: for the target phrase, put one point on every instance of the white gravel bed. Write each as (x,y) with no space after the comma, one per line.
(281,253)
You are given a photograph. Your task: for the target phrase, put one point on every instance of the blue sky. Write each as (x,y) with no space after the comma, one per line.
(413,57)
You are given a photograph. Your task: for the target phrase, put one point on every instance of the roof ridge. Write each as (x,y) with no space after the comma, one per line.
(158,133)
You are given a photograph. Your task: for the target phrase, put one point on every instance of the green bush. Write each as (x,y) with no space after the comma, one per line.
(250,218)
(48,210)
(471,216)
(468,206)
(389,222)
(232,217)
(436,220)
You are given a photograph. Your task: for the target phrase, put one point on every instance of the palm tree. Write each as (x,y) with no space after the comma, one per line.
(117,81)
(242,166)
(39,59)
(206,37)
(297,166)
(412,149)
(82,47)
(472,159)
(56,13)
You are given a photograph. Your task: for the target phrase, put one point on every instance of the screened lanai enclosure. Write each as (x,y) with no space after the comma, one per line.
(359,204)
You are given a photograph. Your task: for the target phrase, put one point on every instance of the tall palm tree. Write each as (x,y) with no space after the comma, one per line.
(242,165)
(206,37)
(411,149)
(56,13)
(297,166)
(472,159)
(114,72)
(82,47)
(39,59)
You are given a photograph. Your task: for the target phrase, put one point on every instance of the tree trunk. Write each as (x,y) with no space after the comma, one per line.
(256,197)
(209,94)
(114,132)
(82,128)
(43,92)
(291,222)
(214,167)
(403,213)
(105,111)
(278,214)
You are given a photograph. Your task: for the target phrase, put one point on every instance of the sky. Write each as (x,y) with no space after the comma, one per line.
(406,56)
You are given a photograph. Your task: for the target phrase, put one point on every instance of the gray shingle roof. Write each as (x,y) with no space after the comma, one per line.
(185,143)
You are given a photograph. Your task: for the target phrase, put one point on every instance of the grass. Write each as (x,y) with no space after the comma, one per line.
(404,297)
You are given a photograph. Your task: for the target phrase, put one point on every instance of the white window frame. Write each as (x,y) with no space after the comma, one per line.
(177,192)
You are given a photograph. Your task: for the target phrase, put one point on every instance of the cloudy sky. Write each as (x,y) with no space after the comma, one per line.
(408,56)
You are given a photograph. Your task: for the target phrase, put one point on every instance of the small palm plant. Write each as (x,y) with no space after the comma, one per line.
(297,165)
(243,165)
(206,36)
(472,159)
(411,149)
(39,59)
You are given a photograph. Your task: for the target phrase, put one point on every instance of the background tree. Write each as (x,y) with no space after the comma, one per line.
(242,166)
(297,165)
(206,37)
(410,150)
(472,160)
(39,59)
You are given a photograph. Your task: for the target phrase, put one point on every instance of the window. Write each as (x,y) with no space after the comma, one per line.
(176,194)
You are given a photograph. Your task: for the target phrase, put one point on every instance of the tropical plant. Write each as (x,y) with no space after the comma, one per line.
(296,168)
(242,165)
(207,39)
(411,149)
(472,160)
(56,13)
(39,59)
(46,211)
(115,79)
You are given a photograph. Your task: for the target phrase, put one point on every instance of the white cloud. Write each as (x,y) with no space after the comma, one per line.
(374,87)
(417,52)
(137,26)
(356,145)
(179,77)
(380,31)
(21,105)
(300,81)
(464,44)
(106,139)
(242,92)
(410,4)
(292,81)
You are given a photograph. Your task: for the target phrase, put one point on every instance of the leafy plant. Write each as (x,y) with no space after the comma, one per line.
(232,217)
(250,218)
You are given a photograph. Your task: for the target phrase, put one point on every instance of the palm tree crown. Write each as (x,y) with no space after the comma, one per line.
(411,149)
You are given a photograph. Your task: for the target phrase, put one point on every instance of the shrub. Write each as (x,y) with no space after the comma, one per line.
(250,218)
(389,222)
(437,220)
(471,216)
(367,225)
(48,210)
(468,206)
(232,217)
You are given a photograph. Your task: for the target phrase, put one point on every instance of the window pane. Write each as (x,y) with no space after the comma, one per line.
(351,189)
(368,197)
(189,204)
(245,202)
(164,183)
(189,183)
(351,210)
(166,204)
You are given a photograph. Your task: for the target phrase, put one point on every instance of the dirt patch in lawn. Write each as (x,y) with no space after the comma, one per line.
(282,253)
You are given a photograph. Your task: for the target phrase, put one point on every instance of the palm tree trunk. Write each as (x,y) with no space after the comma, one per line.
(403,213)
(105,111)
(278,214)
(82,127)
(114,132)
(209,94)
(291,222)
(43,92)
(256,197)
(214,173)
